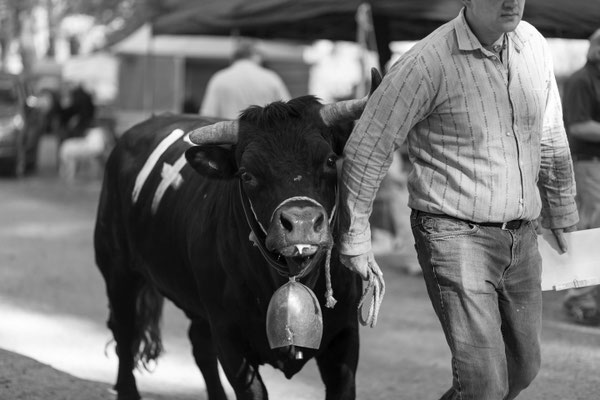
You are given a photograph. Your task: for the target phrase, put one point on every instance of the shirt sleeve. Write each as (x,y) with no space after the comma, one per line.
(578,100)
(282,91)
(395,107)
(210,102)
(556,179)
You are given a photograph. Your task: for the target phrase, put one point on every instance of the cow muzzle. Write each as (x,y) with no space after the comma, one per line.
(300,232)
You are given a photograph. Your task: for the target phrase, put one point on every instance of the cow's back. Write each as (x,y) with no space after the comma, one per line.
(152,202)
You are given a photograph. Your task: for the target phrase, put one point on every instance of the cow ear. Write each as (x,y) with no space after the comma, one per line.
(215,162)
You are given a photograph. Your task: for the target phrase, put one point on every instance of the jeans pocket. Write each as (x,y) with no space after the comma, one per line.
(436,228)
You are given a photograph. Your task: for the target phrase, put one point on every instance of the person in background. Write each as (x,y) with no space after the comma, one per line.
(78,113)
(478,105)
(82,141)
(190,105)
(244,83)
(581,105)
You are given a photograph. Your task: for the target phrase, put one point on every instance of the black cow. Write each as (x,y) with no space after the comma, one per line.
(174,220)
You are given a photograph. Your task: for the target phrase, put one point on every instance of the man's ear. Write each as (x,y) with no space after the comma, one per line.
(212,161)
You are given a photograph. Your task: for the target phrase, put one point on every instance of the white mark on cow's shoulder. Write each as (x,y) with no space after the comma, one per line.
(298,178)
(152,160)
(170,178)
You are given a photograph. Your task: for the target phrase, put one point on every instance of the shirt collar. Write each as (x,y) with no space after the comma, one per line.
(243,61)
(467,40)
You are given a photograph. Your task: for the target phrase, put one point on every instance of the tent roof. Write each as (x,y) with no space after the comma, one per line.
(308,20)
(199,46)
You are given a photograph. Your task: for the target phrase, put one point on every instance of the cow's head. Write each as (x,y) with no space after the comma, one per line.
(285,157)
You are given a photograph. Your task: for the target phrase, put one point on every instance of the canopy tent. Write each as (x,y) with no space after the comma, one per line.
(394,20)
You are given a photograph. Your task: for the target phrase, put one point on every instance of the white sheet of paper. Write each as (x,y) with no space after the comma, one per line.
(578,267)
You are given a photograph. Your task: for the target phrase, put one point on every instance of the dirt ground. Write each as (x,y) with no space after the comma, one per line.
(24,378)
(46,268)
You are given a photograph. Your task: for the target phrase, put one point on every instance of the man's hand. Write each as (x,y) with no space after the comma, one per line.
(366,266)
(361,264)
(560,238)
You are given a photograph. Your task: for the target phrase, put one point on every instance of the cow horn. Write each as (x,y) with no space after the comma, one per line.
(224,132)
(347,110)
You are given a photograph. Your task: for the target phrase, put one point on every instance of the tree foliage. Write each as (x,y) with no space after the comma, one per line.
(107,11)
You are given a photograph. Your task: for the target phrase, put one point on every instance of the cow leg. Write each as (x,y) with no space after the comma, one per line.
(338,364)
(205,355)
(243,376)
(122,293)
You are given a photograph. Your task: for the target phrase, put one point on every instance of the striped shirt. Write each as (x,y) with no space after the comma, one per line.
(480,131)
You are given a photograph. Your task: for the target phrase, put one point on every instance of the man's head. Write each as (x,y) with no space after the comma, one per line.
(489,19)
(245,49)
(593,54)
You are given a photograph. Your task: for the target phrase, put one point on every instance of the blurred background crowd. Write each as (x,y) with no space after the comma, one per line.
(109,63)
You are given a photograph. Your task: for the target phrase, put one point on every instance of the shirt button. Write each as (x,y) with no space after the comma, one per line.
(508,133)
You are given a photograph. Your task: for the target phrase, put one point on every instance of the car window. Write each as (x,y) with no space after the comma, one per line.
(9,98)
(8,92)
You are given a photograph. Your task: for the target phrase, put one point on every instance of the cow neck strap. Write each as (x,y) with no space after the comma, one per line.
(260,236)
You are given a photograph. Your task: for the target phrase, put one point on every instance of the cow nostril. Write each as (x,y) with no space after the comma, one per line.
(286,223)
(320,222)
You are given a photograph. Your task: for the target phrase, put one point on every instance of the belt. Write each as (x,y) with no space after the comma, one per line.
(514,224)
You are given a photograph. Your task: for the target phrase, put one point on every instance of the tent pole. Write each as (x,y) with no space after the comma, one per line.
(148,75)
(365,37)
(382,36)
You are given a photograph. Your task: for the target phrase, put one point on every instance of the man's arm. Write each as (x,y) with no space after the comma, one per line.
(556,179)
(587,130)
(282,90)
(210,102)
(579,100)
(392,110)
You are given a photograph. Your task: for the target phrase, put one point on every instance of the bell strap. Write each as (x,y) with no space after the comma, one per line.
(272,259)
(260,236)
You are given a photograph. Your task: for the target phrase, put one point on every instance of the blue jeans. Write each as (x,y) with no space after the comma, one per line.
(485,287)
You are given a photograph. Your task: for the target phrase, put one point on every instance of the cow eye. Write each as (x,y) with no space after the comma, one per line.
(331,160)
(246,177)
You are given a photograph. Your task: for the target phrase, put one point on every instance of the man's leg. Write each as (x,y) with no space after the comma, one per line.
(462,265)
(520,300)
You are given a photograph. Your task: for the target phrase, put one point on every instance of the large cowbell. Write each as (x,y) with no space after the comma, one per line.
(294,317)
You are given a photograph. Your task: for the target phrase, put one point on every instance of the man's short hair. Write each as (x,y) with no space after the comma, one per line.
(244,48)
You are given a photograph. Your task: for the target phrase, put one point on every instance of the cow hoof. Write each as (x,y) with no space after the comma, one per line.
(129,397)
(124,396)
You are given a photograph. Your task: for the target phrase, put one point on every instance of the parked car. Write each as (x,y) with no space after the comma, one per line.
(22,121)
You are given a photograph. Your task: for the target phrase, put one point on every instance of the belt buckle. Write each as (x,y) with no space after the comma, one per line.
(503,227)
